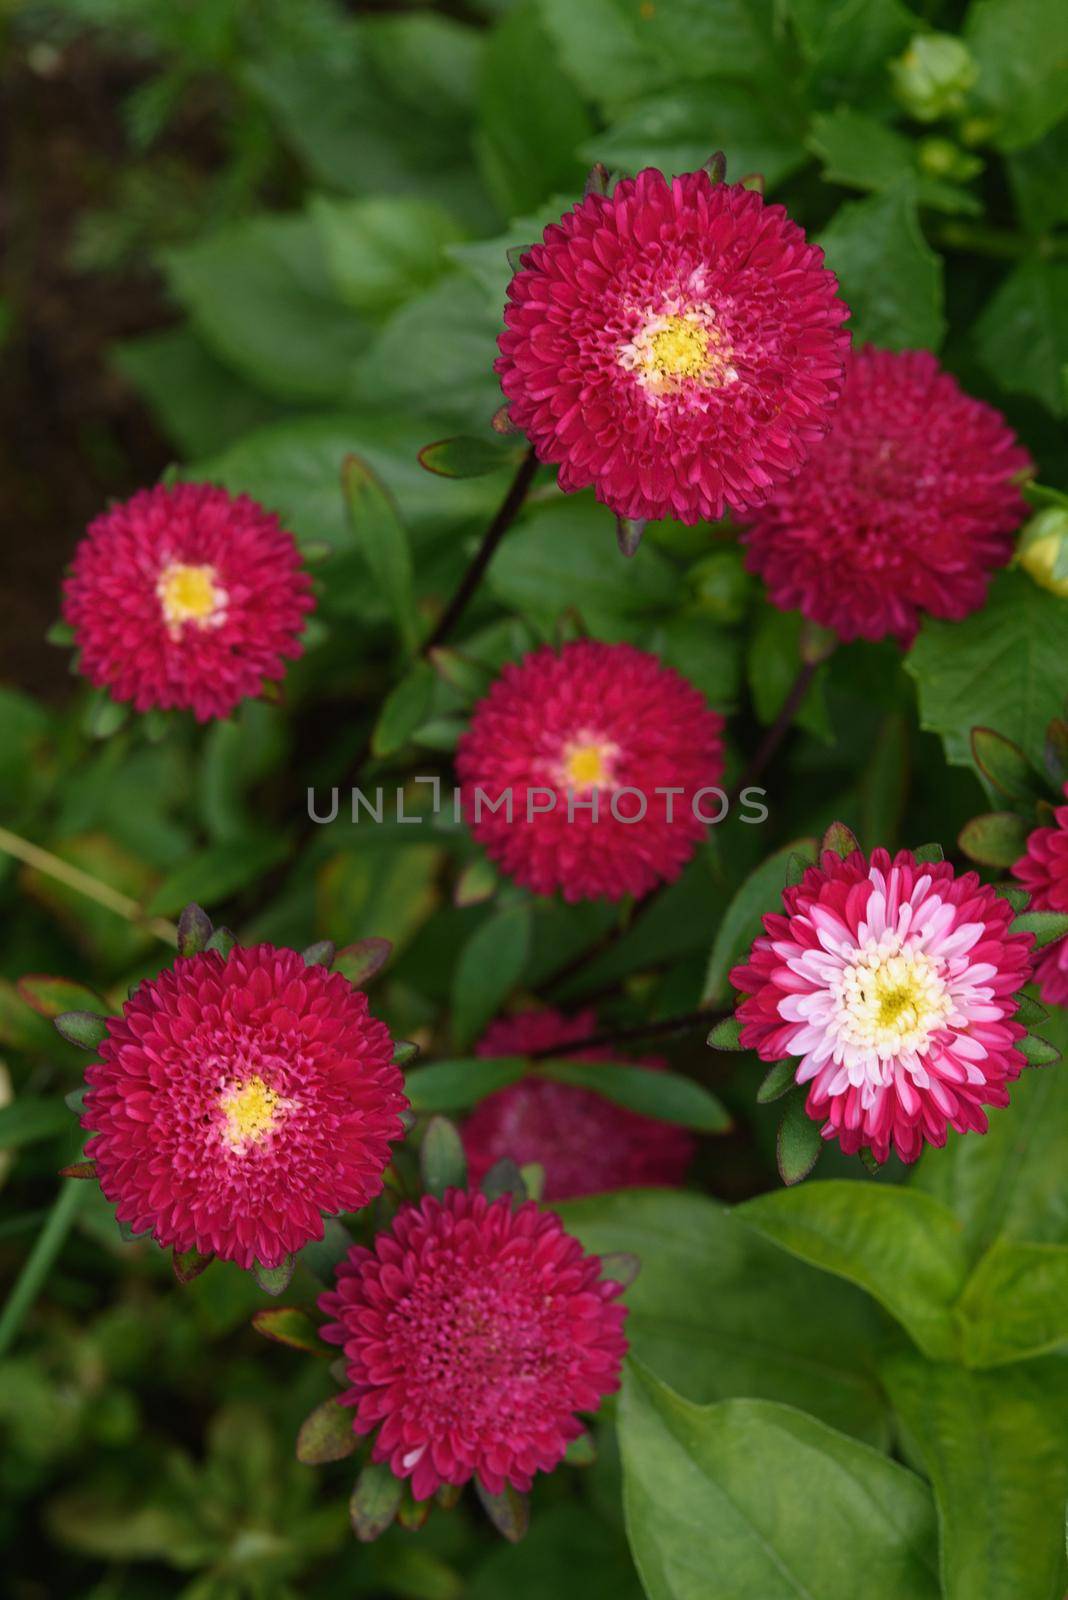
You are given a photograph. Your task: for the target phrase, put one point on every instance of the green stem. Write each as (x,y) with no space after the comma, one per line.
(82,883)
(39,1262)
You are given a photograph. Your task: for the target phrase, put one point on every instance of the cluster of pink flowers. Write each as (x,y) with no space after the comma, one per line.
(1043,871)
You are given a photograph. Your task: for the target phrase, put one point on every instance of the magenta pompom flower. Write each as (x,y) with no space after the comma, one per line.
(894,982)
(584,1143)
(1044,872)
(676,345)
(236,1100)
(186,598)
(473,1333)
(905,507)
(575,748)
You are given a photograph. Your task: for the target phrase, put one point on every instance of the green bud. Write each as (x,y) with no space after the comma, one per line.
(1043,550)
(941,158)
(934,76)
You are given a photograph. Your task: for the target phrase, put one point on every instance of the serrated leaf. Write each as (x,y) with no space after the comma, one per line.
(327,1434)
(290,1326)
(798,1144)
(997,839)
(442,1162)
(375,1500)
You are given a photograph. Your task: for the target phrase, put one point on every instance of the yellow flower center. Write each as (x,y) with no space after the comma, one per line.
(676,350)
(588,763)
(189,594)
(892,1002)
(252,1110)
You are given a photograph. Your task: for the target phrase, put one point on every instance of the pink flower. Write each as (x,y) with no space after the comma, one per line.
(895,985)
(236,1100)
(186,598)
(473,1333)
(676,345)
(585,1144)
(600,725)
(1044,872)
(905,507)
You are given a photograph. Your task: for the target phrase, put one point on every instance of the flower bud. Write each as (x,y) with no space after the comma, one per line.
(721,586)
(932,79)
(1043,549)
(941,158)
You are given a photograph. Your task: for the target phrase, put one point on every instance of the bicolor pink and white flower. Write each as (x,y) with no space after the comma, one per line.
(1043,870)
(473,1334)
(676,345)
(236,1100)
(894,983)
(186,598)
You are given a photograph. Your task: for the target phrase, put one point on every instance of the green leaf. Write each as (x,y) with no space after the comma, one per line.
(861,152)
(194,930)
(467,456)
(722,1313)
(405,709)
(1015,1305)
(726,1035)
(1022,335)
(995,1446)
(327,1434)
(362,961)
(379,893)
(742,922)
(200,404)
(840,840)
(383,541)
(470,679)
(509,1511)
(719,1504)
(1001,667)
(457,1085)
(995,840)
(676,131)
(83,1028)
(1038,1052)
(1021,47)
(888,274)
(31,1118)
(441,1157)
(477,883)
(383,250)
(773,660)
(563,554)
(259,296)
(531,117)
(929,854)
(215,873)
(50,997)
(778,1080)
(1008,769)
(665,1096)
(798,1143)
(274,1280)
(290,1326)
(1047,926)
(489,967)
(903,1247)
(189,1264)
(375,1501)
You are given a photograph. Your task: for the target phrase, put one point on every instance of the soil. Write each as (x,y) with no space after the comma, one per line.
(72,433)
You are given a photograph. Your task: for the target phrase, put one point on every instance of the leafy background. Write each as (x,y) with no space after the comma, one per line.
(251,241)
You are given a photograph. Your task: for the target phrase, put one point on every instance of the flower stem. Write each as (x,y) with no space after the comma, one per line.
(81,882)
(507,512)
(40,1260)
(779,728)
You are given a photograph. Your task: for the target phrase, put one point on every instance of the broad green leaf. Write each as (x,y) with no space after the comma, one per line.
(760,894)
(260,298)
(379,894)
(904,1247)
(665,1096)
(490,965)
(487,260)
(996,840)
(1022,335)
(531,118)
(213,874)
(564,554)
(861,152)
(200,403)
(888,274)
(1021,47)
(456,1085)
(721,1313)
(50,997)
(1015,1304)
(995,1446)
(773,660)
(847,46)
(31,1118)
(404,709)
(709,657)
(721,1504)
(678,130)
(1000,668)
(1007,768)
(383,540)
(1035,175)
(382,251)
